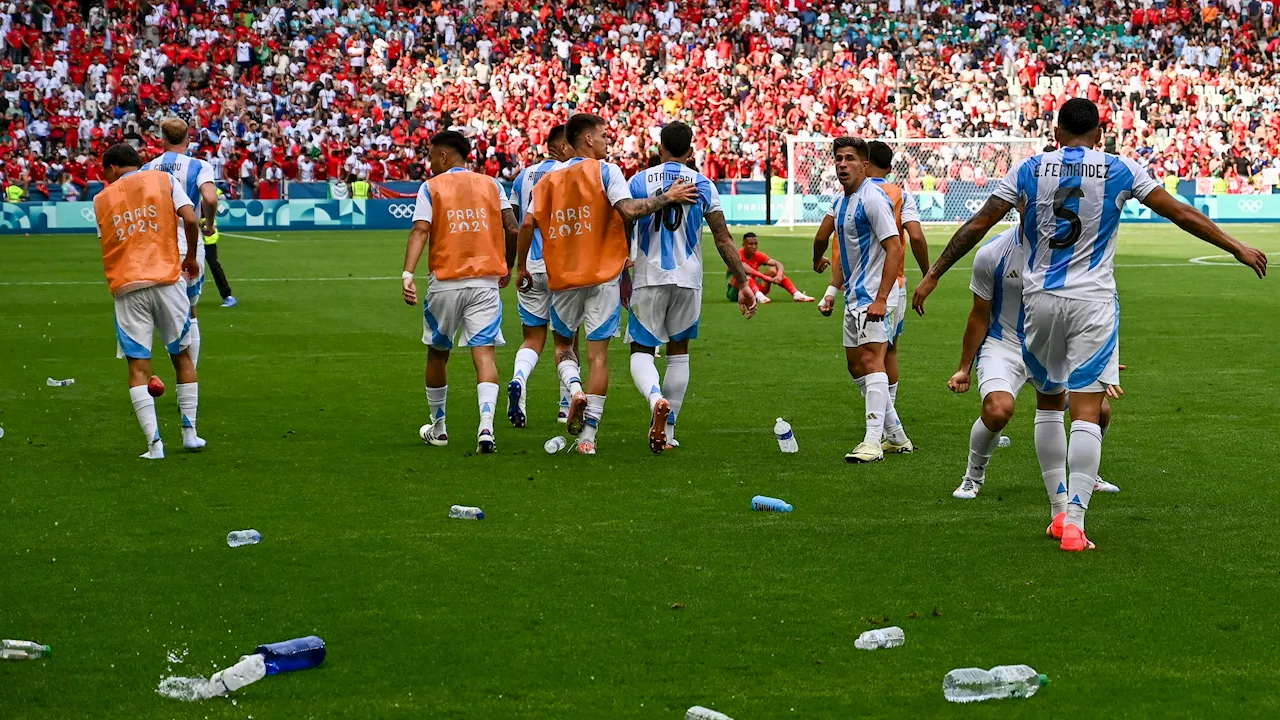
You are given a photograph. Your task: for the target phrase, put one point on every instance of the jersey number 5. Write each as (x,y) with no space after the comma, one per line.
(1060,199)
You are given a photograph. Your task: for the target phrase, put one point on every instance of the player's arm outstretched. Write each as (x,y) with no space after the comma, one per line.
(729,254)
(681,191)
(974,333)
(968,236)
(1198,224)
(511,233)
(821,242)
(412,253)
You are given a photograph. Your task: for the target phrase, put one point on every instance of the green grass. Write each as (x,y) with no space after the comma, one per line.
(563,602)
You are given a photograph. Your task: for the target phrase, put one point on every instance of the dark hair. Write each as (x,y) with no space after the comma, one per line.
(654,161)
(121,155)
(556,134)
(578,126)
(453,140)
(880,154)
(1078,116)
(747,235)
(677,138)
(858,144)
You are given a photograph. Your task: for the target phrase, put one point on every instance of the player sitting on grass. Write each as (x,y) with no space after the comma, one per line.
(994,336)
(867,239)
(138,217)
(466,219)
(763,272)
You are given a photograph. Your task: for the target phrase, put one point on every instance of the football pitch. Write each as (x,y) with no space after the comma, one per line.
(625,585)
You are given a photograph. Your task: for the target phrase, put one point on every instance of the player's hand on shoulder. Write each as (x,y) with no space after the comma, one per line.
(959,382)
(1252,257)
(682,191)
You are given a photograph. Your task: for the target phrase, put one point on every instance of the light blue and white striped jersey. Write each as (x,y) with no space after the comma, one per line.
(863,220)
(190,173)
(998,267)
(667,245)
(1074,197)
(521,198)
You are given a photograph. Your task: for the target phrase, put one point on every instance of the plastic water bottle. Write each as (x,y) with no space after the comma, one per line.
(1005,441)
(59,383)
(786,438)
(1005,681)
(555,444)
(764,503)
(243,537)
(890,637)
(697,712)
(298,654)
(466,512)
(23,650)
(250,669)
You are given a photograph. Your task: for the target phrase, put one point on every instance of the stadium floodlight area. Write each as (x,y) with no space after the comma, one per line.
(949,177)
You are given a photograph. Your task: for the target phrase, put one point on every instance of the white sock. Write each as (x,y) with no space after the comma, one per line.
(644,373)
(877,396)
(487,395)
(892,423)
(144,407)
(595,409)
(982,443)
(1085,454)
(436,398)
(526,361)
(570,376)
(564,399)
(1051,451)
(194,348)
(674,385)
(188,400)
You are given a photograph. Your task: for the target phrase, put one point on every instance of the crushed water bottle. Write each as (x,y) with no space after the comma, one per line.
(60,383)
(298,654)
(764,503)
(1005,441)
(466,512)
(555,444)
(697,712)
(237,538)
(967,685)
(883,638)
(250,669)
(23,650)
(786,438)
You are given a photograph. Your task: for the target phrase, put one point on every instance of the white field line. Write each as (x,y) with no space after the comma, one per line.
(250,237)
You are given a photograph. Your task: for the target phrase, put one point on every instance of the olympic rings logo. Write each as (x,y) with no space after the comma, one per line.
(972,204)
(88,214)
(1249,206)
(401,210)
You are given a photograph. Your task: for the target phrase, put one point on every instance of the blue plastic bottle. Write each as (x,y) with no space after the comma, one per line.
(763,503)
(290,655)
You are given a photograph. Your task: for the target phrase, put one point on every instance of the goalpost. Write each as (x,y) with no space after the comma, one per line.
(950,178)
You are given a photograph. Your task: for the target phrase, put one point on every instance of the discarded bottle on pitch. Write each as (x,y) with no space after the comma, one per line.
(250,669)
(59,383)
(1005,441)
(697,712)
(237,538)
(298,654)
(23,650)
(786,438)
(466,512)
(555,444)
(881,639)
(764,503)
(967,685)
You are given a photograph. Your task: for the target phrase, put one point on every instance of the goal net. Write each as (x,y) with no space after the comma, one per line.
(950,178)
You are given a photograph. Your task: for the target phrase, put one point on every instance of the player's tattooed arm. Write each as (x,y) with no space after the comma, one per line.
(725,246)
(680,191)
(968,236)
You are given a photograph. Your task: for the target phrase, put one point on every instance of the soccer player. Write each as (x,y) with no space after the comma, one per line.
(196,178)
(667,300)
(870,251)
(1073,199)
(468,223)
(880,157)
(763,273)
(138,215)
(994,337)
(581,208)
(534,302)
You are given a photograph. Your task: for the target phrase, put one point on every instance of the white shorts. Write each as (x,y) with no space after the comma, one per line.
(897,315)
(534,304)
(1071,344)
(472,315)
(142,313)
(598,308)
(858,330)
(663,313)
(1000,368)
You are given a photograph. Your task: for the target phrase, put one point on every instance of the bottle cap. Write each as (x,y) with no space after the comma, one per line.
(1044,679)
(48,649)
